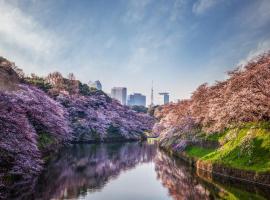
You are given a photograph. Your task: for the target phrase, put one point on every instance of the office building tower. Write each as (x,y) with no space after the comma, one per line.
(120,94)
(137,99)
(166,97)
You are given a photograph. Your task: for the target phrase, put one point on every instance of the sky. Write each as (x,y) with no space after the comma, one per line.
(179,44)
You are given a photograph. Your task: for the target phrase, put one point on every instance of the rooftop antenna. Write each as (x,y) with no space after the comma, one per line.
(152,95)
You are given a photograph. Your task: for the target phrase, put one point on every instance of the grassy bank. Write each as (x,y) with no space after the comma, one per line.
(245,148)
(198,152)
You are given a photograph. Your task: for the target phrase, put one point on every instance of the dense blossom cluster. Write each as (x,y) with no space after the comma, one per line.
(243,97)
(25,114)
(98,117)
(38,115)
(176,125)
(93,115)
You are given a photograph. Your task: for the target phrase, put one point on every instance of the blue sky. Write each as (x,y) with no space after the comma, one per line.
(178,44)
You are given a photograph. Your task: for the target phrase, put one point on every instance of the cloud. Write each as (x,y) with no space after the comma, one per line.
(20,30)
(201,6)
(262,47)
(256,15)
(178,9)
(24,40)
(136,10)
(149,48)
(141,58)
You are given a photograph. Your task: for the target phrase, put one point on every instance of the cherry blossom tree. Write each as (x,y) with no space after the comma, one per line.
(243,97)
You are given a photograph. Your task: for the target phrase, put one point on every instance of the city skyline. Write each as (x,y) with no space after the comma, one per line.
(178,44)
(136,98)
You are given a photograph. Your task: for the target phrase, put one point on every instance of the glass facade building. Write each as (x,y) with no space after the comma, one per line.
(120,94)
(137,99)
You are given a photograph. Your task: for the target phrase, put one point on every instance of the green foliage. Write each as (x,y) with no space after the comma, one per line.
(38,82)
(114,131)
(84,89)
(245,148)
(230,192)
(151,110)
(198,152)
(215,136)
(44,140)
(233,193)
(139,109)
(95,135)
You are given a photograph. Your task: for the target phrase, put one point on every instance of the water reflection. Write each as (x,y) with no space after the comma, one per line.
(179,179)
(87,168)
(87,171)
(183,182)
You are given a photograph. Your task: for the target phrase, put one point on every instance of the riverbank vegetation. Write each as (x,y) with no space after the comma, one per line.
(245,148)
(233,115)
(175,174)
(38,115)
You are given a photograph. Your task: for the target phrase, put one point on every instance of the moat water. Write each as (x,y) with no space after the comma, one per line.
(132,171)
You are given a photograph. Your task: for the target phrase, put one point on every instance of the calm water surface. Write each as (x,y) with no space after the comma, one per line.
(132,171)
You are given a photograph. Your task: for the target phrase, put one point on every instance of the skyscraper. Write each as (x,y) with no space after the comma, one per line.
(137,99)
(120,94)
(166,97)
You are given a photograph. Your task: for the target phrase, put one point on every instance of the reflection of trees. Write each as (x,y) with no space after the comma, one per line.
(84,168)
(184,183)
(234,188)
(178,179)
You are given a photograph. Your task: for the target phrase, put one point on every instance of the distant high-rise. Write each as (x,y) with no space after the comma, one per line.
(152,96)
(166,97)
(97,85)
(120,94)
(137,99)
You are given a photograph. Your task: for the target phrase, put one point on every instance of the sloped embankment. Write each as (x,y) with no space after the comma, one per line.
(243,154)
(224,128)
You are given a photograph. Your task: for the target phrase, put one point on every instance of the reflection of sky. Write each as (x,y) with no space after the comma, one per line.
(138,183)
